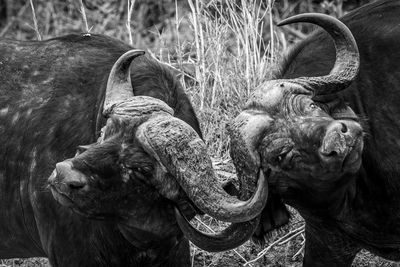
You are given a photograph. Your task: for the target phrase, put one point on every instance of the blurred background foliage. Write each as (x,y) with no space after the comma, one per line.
(150,19)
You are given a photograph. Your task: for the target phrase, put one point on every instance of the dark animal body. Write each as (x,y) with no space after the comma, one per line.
(50,96)
(123,199)
(342,174)
(366,212)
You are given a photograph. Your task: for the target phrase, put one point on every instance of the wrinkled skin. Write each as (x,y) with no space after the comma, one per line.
(50,103)
(336,160)
(94,187)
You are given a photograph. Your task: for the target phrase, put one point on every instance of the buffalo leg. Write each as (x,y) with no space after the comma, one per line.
(327,247)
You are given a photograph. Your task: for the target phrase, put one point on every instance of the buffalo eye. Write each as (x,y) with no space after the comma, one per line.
(304,105)
(139,172)
(281,157)
(145,170)
(282,154)
(136,172)
(314,109)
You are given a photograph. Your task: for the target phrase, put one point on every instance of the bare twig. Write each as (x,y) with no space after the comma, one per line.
(84,16)
(131,4)
(35,21)
(234,250)
(282,240)
(292,234)
(13,19)
(300,251)
(194,253)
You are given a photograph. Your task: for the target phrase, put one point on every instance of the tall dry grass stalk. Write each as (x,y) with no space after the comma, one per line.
(83,12)
(131,4)
(38,36)
(271,27)
(196,20)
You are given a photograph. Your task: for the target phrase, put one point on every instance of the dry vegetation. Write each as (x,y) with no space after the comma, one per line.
(223,49)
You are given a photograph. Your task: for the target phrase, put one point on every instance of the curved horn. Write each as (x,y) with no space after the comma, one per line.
(233,236)
(119,87)
(246,132)
(180,150)
(347,57)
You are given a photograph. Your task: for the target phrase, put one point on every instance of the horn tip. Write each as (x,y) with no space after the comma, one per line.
(305,17)
(136,52)
(282,23)
(291,19)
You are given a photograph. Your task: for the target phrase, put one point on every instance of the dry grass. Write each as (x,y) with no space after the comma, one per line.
(228,64)
(224,51)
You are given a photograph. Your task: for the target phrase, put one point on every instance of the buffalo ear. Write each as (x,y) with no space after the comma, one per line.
(337,109)
(344,113)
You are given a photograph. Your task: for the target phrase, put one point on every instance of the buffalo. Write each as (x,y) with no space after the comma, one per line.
(102,161)
(325,132)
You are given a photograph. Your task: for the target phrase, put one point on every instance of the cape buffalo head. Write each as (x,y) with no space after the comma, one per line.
(146,163)
(306,140)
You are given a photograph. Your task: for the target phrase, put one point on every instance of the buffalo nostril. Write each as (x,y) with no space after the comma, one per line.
(331,154)
(70,178)
(344,128)
(76,185)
